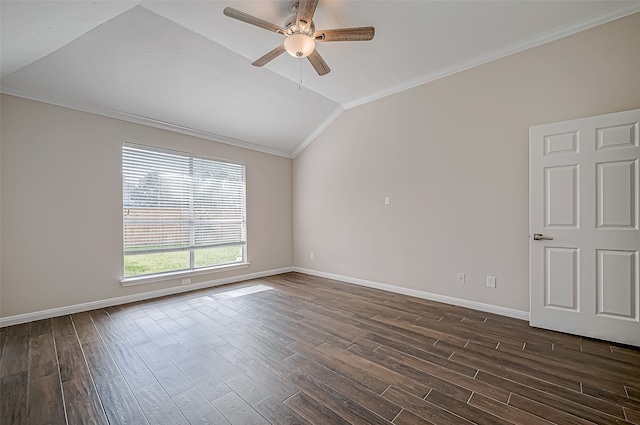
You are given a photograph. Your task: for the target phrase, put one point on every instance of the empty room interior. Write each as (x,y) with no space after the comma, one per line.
(319,212)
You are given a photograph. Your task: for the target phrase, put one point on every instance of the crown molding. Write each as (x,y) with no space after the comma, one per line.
(547,37)
(138,119)
(538,40)
(323,125)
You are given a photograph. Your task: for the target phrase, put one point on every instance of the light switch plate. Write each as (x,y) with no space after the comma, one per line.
(491,281)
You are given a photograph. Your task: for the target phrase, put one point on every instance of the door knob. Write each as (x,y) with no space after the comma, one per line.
(541,237)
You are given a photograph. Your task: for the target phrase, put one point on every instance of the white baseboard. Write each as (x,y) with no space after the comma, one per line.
(92,305)
(60,311)
(503,311)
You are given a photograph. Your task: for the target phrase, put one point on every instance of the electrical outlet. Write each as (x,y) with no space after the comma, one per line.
(461,277)
(186,281)
(312,256)
(491,281)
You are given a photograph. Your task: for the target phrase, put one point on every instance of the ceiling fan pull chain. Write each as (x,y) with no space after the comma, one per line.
(300,84)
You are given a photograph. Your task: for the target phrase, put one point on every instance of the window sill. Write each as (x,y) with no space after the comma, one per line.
(160,277)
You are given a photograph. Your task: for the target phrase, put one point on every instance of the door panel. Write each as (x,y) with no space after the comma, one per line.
(619,136)
(617,190)
(562,286)
(561,196)
(617,283)
(561,143)
(584,196)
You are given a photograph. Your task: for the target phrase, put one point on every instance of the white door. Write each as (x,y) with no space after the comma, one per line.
(584,207)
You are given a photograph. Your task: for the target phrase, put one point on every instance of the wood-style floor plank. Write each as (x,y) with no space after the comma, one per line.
(463,409)
(334,400)
(180,334)
(279,388)
(505,411)
(127,325)
(45,404)
(101,364)
(85,328)
(356,392)
(632,416)
(421,408)
(549,413)
(197,409)
(410,375)
(63,327)
(134,370)
(107,329)
(199,331)
(313,411)
(448,375)
(15,355)
(204,380)
(279,413)
(359,373)
(82,402)
(407,418)
(13,398)
(158,406)
(299,349)
(158,335)
(632,392)
(71,360)
(3,339)
(241,384)
(270,356)
(119,403)
(41,327)
(42,357)
(237,411)
(430,354)
(606,396)
(584,406)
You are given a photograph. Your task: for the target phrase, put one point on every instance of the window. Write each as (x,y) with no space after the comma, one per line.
(180,211)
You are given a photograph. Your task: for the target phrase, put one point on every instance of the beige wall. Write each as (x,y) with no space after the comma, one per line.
(453,157)
(62,197)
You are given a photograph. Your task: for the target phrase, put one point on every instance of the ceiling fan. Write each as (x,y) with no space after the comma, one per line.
(301,34)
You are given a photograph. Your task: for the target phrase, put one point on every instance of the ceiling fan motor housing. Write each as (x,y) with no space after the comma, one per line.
(292,27)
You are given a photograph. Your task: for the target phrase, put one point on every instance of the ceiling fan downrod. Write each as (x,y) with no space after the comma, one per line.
(293,26)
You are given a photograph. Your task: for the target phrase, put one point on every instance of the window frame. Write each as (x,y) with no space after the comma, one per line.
(192,270)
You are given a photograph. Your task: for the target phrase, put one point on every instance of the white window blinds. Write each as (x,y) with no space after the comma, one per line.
(174,201)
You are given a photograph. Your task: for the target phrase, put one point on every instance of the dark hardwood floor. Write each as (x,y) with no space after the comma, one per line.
(296,349)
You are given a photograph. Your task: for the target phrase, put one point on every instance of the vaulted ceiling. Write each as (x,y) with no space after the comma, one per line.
(184,66)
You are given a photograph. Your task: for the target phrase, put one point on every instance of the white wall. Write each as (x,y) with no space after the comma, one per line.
(453,157)
(62,205)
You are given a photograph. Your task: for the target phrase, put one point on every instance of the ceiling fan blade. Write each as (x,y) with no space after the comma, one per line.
(345,34)
(249,19)
(269,56)
(318,63)
(306,9)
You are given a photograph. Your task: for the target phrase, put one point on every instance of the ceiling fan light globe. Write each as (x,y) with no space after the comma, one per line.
(299,45)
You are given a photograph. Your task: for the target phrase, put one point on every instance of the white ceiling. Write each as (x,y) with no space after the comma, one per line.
(184,66)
